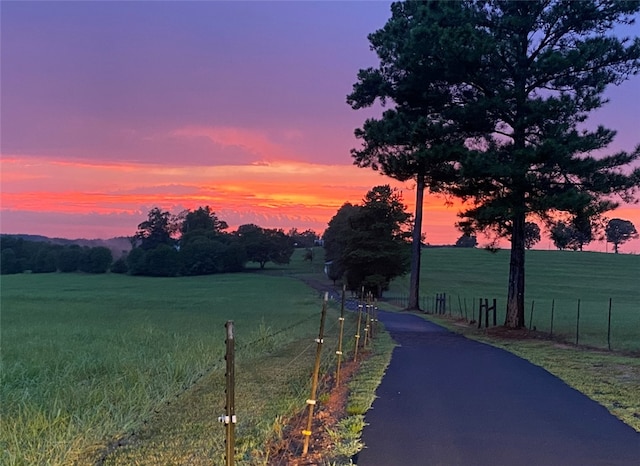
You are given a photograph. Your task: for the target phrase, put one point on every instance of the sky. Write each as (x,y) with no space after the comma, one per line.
(109,109)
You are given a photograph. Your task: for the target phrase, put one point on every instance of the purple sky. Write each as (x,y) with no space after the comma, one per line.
(104,100)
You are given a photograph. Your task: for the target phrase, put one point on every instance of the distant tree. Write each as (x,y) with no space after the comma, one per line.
(561,235)
(120,266)
(531,234)
(305,239)
(46,260)
(573,235)
(370,242)
(157,230)
(201,256)
(467,241)
(9,262)
(335,240)
(235,257)
(162,261)
(201,222)
(264,245)
(69,259)
(137,262)
(619,231)
(96,260)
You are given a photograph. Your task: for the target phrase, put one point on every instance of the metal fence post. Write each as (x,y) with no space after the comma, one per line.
(531,315)
(355,351)
(340,335)
(578,324)
(609,327)
(229,419)
(311,402)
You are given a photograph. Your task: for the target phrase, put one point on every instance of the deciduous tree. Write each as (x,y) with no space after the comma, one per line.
(531,234)
(264,245)
(369,242)
(467,241)
(156,230)
(619,231)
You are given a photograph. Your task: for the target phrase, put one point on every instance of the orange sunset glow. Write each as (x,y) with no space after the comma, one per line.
(114,108)
(275,195)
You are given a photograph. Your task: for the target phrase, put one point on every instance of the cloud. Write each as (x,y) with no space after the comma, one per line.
(254,142)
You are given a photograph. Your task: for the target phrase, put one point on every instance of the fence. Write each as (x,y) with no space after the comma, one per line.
(609,323)
(365,331)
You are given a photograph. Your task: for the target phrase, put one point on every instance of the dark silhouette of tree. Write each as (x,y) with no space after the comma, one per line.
(531,234)
(416,139)
(157,230)
(9,263)
(561,235)
(202,222)
(535,70)
(264,245)
(95,260)
(335,240)
(369,242)
(120,266)
(467,241)
(304,239)
(572,235)
(619,231)
(69,259)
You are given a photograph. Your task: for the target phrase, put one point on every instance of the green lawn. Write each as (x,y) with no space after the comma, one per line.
(87,359)
(564,277)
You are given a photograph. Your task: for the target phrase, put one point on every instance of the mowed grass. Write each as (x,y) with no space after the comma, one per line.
(553,278)
(89,359)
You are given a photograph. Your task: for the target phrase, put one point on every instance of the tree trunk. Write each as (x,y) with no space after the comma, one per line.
(515,298)
(416,249)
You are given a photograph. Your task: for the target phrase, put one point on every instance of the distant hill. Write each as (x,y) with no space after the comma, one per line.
(118,246)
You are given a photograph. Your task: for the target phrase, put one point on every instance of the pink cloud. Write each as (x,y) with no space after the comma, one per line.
(255,142)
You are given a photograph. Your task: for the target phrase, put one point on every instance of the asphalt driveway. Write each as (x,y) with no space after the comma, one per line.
(448,400)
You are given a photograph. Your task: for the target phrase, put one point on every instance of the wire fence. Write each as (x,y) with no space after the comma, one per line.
(607,323)
(364,325)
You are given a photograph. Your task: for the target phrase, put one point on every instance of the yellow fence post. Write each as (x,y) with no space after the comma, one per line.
(311,402)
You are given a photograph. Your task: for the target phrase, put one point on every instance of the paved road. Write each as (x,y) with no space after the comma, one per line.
(447,400)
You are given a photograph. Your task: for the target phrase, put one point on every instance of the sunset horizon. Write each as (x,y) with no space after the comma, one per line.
(110,110)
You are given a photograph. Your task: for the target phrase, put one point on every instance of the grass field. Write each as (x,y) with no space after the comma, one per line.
(564,277)
(89,359)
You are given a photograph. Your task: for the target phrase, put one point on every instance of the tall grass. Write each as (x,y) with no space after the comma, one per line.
(88,358)
(558,277)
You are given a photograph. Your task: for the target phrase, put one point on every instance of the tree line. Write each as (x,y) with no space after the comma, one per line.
(566,235)
(20,255)
(190,243)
